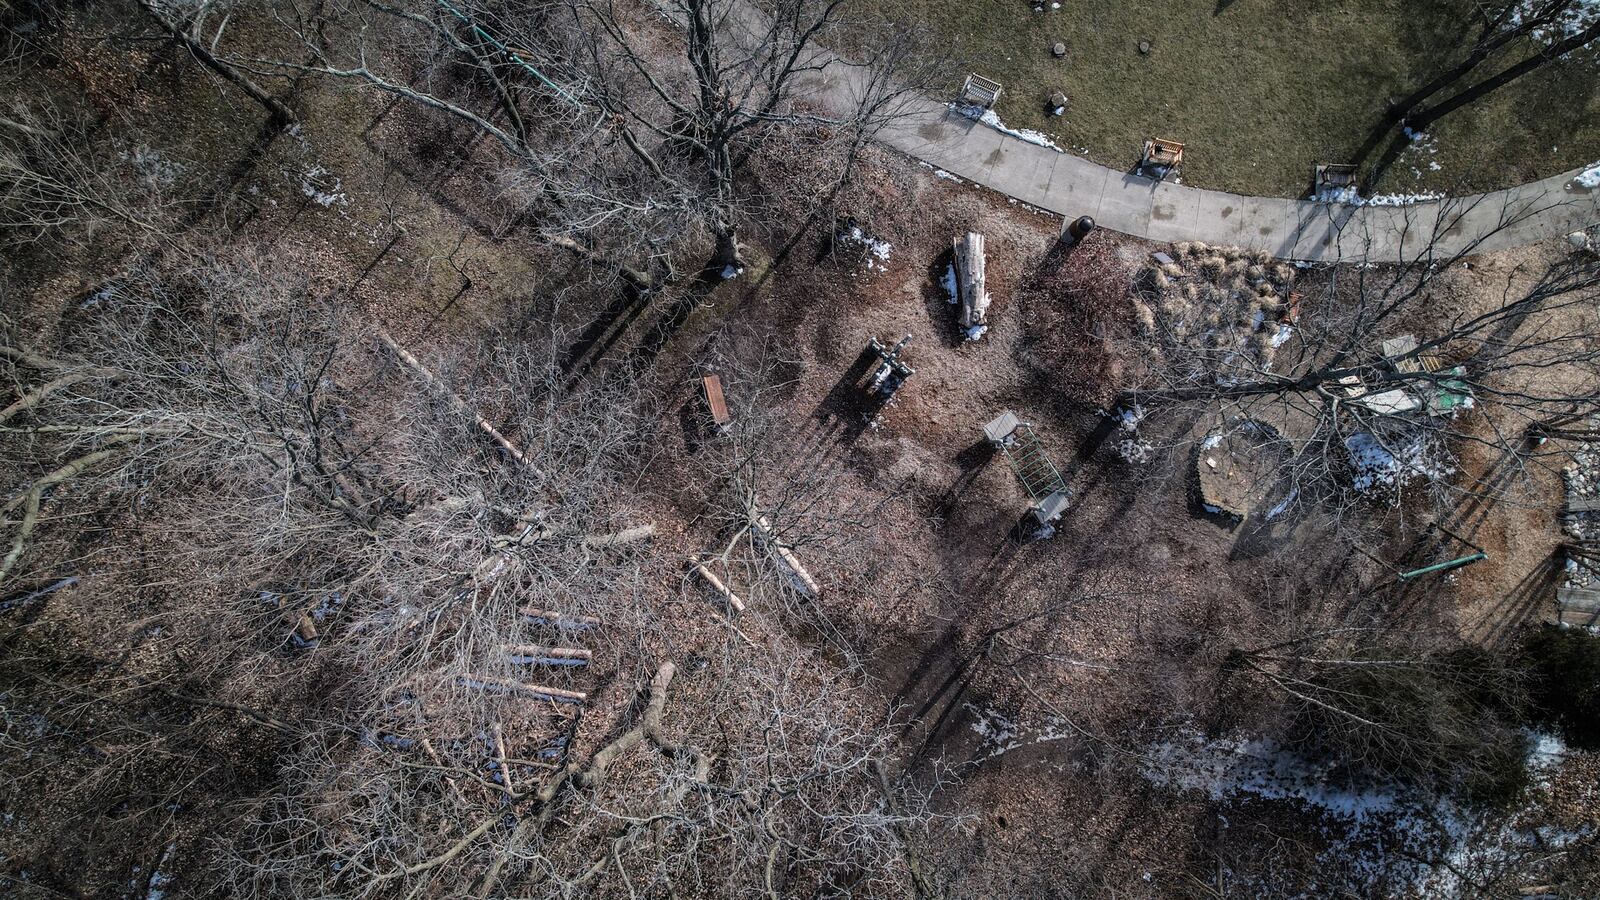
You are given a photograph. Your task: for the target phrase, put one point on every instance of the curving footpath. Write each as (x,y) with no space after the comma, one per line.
(1071,186)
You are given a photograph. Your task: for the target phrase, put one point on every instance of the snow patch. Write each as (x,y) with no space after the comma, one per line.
(313,183)
(1383,465)
(989,118)
(1589,178)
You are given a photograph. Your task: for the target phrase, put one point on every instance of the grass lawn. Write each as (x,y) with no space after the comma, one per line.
(1262,90)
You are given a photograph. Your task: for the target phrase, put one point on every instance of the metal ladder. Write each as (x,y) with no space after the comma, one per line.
(1037,473)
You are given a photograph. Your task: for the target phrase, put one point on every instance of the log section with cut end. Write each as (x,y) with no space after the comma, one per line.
(971,288)
(717,585)
(807,584)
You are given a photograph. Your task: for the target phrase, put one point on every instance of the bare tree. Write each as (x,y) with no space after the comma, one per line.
(624,138)
(1501,27)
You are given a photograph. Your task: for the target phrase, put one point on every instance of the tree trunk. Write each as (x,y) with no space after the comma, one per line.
(725,260)
(281,115)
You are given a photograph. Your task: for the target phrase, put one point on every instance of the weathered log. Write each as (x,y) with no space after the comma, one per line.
(971,286)
(716,584)
(560,620)
(808,584)
(483,424)
(619,538)
(540,691)
(538,652)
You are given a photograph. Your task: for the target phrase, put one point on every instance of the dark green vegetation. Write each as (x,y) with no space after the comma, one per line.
(1564,670)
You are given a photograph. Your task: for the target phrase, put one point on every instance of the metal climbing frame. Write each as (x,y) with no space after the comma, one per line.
(1026,454)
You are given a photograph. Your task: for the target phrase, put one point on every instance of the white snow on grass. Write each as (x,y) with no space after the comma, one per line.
(1349,197)
(976,332)
(1381,839)
(314,184)
(1384,465)
(989,118)
(1589,178)
(1580,16)
(877,251)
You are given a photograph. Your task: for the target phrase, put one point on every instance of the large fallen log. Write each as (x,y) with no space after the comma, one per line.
(971,288)
(807,584)
(483,424)
(716,584)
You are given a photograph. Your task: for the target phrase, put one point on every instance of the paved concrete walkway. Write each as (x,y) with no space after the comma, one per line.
(1289,229)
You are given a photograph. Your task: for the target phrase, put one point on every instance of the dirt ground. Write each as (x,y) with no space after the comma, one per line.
(1139,586)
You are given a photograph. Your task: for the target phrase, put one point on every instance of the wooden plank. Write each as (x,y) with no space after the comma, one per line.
(1583,504)
(712,385)
(1578,600)
(1577,618)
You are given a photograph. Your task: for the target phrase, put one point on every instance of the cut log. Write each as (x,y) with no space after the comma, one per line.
(551,617)
(483,424)
(619,538)
(807,584)
(540,691)
(716,584)
(971,287)
(535,655)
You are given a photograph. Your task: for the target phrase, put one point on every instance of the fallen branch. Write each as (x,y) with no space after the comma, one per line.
(422,371)
(543,692)
(809,584)
(717,585)
(32,398)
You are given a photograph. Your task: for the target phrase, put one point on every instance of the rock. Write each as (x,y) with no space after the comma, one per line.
(1058,50)
(1144,47)
(1058,103)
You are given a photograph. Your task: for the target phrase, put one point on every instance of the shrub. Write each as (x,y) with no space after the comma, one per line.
(1563,670)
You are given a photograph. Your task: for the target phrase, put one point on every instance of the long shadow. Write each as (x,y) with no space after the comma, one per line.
(1534,594)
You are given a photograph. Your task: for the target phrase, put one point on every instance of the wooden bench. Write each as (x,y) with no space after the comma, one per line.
(1161,155)
(980,91)
(712,385)
(1334,178)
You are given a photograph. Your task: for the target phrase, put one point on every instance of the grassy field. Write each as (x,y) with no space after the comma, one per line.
(1262,90)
